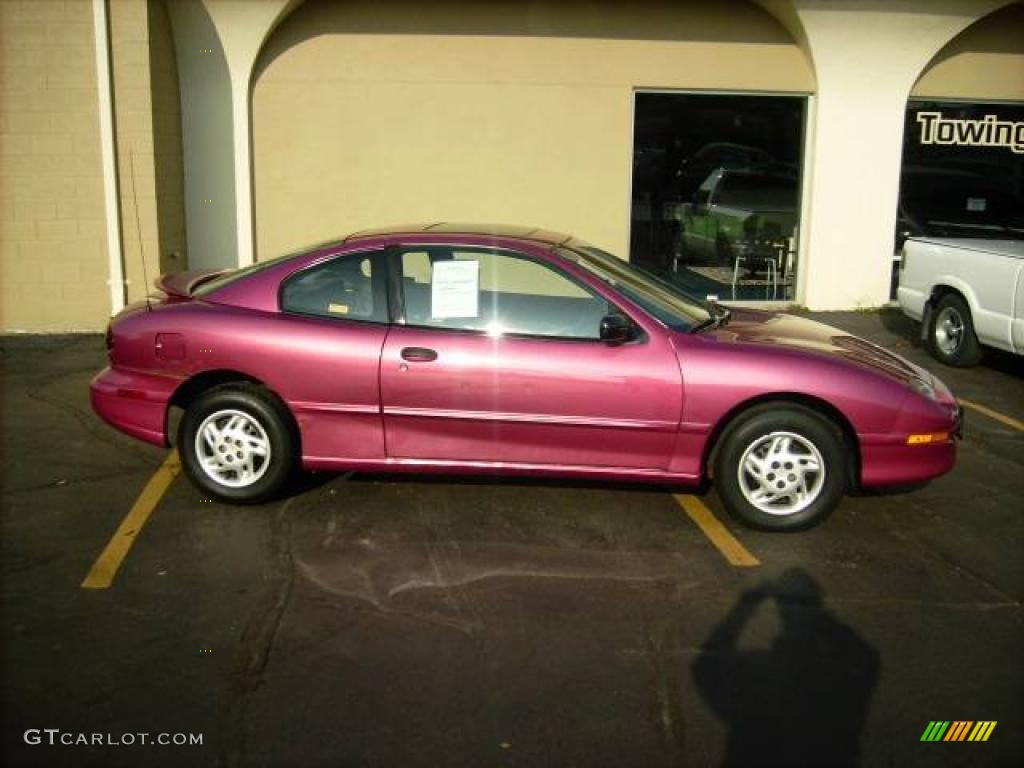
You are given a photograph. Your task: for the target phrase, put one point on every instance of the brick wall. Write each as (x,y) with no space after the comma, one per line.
(53,265)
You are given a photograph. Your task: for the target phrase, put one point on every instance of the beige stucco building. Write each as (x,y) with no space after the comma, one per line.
(140,136)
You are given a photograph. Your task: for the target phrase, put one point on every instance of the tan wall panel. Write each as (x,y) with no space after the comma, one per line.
(518,154)
(356,130)
(133,133)
(168,160)
(985,62)
(148,137)
(52,238)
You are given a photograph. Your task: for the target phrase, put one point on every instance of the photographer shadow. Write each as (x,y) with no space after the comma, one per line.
(803,700)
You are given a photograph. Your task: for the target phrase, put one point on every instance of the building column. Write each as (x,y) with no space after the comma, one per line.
(206,138)
(218,42)
(866,62)
(243,26)
(108,155)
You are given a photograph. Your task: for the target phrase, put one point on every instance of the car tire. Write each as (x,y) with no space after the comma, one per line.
(239,444)
(781,467)
(950,334)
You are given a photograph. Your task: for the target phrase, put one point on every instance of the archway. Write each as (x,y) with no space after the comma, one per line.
(962,171)
(365,114)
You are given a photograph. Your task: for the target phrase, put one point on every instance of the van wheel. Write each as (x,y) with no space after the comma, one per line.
(951,337)
(781,467)
(238,444)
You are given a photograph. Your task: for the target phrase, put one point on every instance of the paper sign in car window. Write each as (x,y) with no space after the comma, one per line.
(455,289)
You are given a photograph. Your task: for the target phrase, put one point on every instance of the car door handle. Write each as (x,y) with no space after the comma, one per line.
(419,354)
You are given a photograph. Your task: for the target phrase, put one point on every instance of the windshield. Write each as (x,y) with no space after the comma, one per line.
(673,307)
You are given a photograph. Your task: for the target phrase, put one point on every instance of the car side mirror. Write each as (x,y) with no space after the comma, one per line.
(616,329)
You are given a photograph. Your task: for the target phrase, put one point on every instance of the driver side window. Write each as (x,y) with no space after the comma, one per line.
(496,292)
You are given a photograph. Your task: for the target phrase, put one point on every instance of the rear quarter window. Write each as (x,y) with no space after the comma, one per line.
(350,287)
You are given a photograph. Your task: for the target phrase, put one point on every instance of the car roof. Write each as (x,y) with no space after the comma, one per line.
(454,228)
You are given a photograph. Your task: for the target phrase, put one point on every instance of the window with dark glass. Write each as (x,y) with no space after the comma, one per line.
(716,201)
(350,287)
(962,172)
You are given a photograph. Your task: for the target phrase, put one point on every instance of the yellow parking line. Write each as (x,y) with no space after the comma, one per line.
(1001,417)
(719,535)
(103,571)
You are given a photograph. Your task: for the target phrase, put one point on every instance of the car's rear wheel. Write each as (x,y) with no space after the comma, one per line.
(781,467)
(951,336)
(237,443)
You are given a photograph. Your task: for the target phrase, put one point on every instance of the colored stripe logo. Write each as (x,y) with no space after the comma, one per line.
(958,730)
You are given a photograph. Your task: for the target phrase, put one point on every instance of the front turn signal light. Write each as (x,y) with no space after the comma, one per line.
(930,437)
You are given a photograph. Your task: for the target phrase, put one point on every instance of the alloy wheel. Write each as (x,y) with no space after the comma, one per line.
(233,448)
(781,473)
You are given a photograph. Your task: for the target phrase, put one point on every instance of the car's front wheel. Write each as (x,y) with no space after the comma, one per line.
(238,444)
(781,467)
(951,336)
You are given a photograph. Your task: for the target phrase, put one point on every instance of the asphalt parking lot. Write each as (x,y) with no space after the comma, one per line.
(371,620)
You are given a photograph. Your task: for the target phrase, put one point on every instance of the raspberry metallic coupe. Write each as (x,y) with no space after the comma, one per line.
(468,349)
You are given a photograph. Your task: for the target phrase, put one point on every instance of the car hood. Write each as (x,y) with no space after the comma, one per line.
(780,330)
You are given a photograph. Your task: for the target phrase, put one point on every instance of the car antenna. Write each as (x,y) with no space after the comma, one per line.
(138,229)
